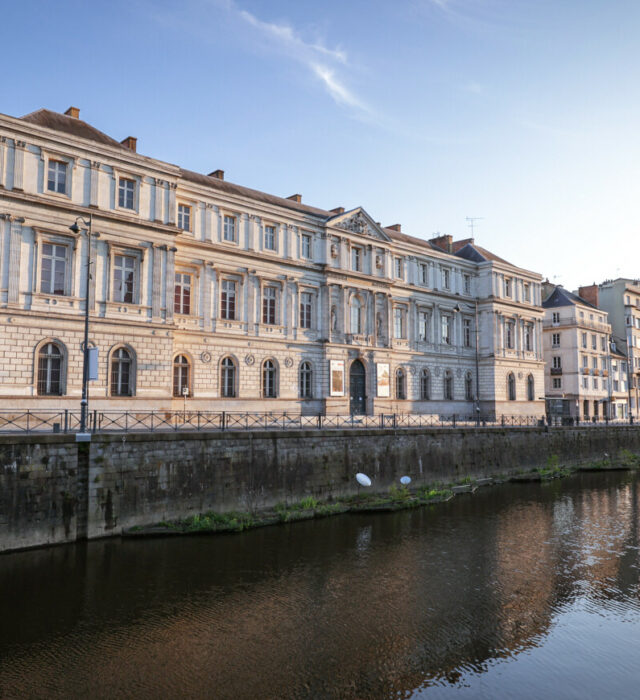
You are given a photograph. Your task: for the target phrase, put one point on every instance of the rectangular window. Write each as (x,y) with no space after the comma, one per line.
(305,245)
(53,270)
(527,292)
(616,385)
(397,262)
(229,228)
(557,362)
(423,325)
(398,323)
(594,342)
(467,284)
(356,259)
(306,302)
(595,383)
(270,237)
(585,361)
(603,343)
(182,294)
(424,274)
(585,382)
(228,300)
(508,287)
(445,322)
(557,382)
(466,332)
(446,278)
(269,305)
(184,217)
(584,340)
(126,193)
(555,339)
(594,362)
(124,278)
(510,333)
(528,332)
(555,317)
(57,177)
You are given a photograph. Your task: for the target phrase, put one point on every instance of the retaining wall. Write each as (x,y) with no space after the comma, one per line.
(55,490)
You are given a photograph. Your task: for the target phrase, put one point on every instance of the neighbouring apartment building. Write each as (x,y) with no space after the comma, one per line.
(577,354)
(620,298)
(214,296)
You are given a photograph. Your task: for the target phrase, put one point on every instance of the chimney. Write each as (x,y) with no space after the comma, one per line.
(395,227)
(217,174)
(73,112)
(589,293)
(443,243)
(295,198)
(130,142)
(337,210)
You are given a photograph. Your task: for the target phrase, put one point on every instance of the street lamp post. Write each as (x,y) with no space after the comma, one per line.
(84,403)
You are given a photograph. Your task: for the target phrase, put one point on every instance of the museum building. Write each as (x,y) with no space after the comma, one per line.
(208,295)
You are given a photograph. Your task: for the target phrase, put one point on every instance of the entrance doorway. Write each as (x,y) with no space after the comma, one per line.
(357,388)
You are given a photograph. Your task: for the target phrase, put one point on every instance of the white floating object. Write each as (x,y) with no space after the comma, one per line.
(363,479)
(404,480)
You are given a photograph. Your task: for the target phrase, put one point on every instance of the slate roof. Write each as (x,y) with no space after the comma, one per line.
(69,125)
(562,297)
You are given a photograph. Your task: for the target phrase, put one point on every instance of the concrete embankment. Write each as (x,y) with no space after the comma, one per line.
(54,490)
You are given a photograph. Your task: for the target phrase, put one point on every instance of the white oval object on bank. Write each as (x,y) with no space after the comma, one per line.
(404,480)
(363,479)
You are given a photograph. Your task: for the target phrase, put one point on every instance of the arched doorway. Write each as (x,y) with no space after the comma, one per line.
(357,388)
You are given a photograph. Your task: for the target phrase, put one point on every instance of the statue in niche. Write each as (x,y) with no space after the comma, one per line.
(378,325)
(334,319)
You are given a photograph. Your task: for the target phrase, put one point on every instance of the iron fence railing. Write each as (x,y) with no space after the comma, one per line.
(68,421)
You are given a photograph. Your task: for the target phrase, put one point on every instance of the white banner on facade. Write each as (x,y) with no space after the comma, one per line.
(336,377)
(382,376)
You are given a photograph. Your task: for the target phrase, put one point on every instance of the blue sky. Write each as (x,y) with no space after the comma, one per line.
(523,112)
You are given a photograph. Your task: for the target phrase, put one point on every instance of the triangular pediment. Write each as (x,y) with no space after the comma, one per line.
(358,221)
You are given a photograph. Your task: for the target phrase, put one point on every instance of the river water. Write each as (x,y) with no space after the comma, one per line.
(519,591)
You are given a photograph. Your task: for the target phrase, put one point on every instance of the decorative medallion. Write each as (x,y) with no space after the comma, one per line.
(205,357)
(438,371)
(249,359)
(519,375)
(288,362)
(413,370)
(458,373)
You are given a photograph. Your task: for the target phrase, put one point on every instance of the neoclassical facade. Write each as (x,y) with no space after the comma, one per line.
(212,296)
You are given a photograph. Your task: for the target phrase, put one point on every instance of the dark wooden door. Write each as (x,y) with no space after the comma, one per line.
(357,388)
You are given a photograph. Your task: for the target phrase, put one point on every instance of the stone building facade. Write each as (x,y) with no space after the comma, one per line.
(212,296)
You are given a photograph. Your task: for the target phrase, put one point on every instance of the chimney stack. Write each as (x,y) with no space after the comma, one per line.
(444,242)
(219,174)
(73,112)
(337,210)
(395,227)
(589,294)
(295,198)
(130,142)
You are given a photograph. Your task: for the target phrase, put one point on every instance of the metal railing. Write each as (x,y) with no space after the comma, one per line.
(68,421)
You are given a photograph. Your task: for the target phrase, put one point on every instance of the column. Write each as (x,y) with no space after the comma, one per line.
(94,183)
(169,281)
(15,243)
(158,201)
(18,164)
(3,159)
(156,281)
(173,186)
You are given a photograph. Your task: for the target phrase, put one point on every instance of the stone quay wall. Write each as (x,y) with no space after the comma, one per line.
(54,490)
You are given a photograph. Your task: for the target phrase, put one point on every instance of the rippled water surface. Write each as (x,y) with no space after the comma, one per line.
(520,591)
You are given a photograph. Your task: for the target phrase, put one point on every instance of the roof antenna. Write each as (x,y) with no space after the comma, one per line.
(472,222)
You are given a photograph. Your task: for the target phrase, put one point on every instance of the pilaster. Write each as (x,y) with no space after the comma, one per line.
(15,245)
(18,164)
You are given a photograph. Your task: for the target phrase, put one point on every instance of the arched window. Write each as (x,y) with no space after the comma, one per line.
(531,388)
(511,383)
(228,378)
(356,316)
(269,380)
(121,373)
(448,385)
(468,387)
(401,384)
(425,385)
(306,391)
(181,370)
(50,370)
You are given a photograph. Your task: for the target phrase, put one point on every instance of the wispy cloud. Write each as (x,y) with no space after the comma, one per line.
(322,61)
